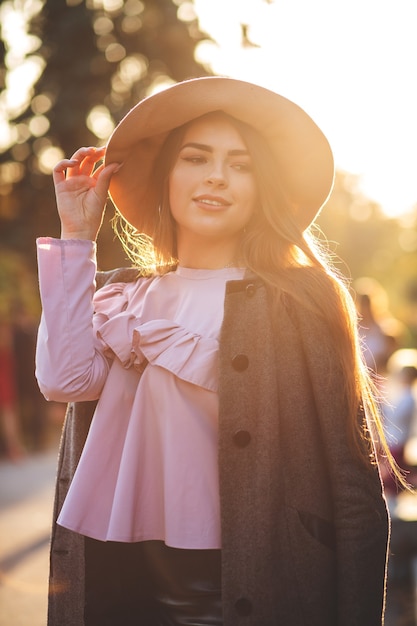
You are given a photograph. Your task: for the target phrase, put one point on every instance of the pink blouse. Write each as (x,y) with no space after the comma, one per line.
(149,354)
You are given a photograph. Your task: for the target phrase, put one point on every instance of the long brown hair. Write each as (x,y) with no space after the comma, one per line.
(271,245)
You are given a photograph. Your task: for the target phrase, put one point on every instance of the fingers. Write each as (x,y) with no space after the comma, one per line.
(86,160)
(59,171)
(82,162)
(83,165)
(103,176)
(88,152)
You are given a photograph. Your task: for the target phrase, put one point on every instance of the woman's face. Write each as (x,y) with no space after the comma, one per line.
(212,189)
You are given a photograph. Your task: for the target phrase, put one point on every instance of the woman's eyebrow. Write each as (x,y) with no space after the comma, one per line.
(207,148)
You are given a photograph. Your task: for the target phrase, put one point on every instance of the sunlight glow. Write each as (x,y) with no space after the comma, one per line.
(11,172)
(159,84)
(186,12)
(48,157)
(100,122)
(24,68)
(115,52)
(41,104)
(133,68)
(39,125)
(350,64)
(19,83)
(103,25)
(8,134)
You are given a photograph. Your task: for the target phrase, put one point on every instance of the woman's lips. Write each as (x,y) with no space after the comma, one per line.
(212,202)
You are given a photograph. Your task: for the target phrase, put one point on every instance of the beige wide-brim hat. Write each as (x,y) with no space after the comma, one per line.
(304,158)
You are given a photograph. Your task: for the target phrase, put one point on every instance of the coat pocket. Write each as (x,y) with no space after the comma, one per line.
(322,530)
(313,559)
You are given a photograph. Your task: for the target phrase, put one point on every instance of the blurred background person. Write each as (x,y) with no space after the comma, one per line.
(380,332)
(32,406)
(12,445)
(399,411)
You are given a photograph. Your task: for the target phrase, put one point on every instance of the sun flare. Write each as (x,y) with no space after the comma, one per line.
(348,63)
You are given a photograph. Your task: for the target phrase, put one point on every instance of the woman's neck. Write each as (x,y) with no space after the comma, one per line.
(211,256)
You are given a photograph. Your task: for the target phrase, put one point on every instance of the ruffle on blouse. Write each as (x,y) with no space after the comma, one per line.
(162,343)
(110,300)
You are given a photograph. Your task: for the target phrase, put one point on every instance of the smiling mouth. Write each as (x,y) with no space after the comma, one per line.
(213,202)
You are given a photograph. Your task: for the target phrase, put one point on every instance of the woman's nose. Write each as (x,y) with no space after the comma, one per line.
(217,175)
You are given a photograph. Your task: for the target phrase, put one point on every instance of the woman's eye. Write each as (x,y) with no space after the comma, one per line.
(242,167)
(194,159)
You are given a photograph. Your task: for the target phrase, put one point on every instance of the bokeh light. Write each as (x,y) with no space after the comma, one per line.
(100,122)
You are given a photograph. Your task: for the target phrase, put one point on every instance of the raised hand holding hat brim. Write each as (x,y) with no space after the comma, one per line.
(81,190)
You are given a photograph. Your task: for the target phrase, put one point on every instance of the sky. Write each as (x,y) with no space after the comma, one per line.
(351,64)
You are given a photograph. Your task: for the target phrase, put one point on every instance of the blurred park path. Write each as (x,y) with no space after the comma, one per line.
(26,500)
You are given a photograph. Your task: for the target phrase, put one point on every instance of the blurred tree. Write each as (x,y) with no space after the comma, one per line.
(18,289)
(82,64)
(366,243)
(96,59)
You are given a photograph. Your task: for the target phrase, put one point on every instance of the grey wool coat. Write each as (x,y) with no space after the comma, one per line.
(304,523)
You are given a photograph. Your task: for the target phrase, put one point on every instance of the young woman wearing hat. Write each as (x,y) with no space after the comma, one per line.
(228,475)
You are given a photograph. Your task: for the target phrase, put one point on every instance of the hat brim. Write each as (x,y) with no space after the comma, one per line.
(303,156)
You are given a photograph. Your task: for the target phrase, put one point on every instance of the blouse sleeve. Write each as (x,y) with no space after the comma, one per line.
(71,360)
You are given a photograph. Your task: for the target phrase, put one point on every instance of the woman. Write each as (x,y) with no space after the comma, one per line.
(228,475)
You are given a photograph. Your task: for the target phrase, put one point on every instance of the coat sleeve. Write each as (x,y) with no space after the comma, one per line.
(360,513)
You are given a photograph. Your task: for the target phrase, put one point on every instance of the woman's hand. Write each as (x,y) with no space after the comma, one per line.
(81,192)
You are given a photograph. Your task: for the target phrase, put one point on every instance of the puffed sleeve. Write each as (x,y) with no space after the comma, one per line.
(71,363)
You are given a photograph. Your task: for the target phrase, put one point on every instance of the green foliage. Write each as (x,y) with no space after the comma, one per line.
(99,58)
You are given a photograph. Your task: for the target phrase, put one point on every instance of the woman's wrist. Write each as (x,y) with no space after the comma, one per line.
(87,235)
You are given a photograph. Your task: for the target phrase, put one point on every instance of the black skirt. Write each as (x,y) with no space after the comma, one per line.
(151,584)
